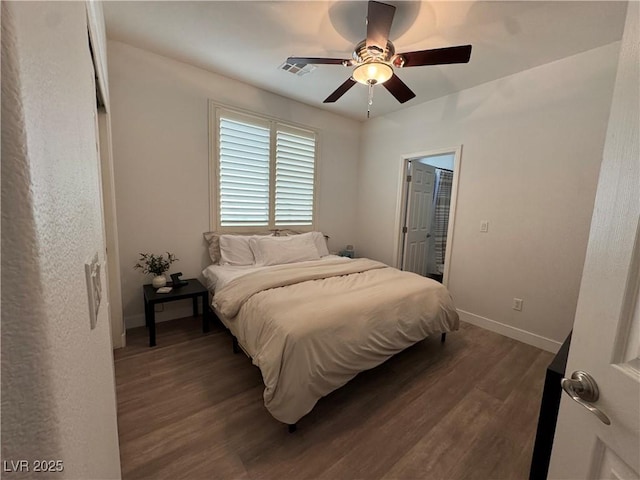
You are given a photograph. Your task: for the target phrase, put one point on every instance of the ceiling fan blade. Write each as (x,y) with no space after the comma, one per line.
(315,60)
(437,56)
(399,89)
(379,19)
(341,90)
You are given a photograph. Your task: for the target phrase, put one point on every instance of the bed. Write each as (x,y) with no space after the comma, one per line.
(313,324)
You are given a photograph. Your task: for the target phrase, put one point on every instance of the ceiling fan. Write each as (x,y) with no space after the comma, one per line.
(374,58)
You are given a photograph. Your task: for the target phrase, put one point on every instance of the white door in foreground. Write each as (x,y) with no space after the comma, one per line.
(606,334)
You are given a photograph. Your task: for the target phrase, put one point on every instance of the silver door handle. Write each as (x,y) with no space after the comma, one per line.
(583,389)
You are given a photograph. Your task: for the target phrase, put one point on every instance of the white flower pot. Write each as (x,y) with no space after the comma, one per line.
(159,281)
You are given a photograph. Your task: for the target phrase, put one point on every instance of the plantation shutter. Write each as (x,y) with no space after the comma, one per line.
(244,145)
(294,181)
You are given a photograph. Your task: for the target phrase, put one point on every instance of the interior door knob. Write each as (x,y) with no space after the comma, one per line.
(583,389)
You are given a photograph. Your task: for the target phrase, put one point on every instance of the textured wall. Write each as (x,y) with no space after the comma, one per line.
(28,424)
(58,395)
(532,147)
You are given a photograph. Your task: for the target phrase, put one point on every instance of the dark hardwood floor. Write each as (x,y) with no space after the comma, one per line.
(465,409)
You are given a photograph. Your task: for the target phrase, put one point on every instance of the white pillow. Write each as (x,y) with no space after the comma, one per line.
(235,250)
(321,243)
(319,240)
(280,250)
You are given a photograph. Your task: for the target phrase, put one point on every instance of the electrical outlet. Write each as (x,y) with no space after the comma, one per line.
(517,304)
(484,226)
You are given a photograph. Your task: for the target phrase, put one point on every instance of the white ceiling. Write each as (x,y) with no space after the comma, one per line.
(249,40)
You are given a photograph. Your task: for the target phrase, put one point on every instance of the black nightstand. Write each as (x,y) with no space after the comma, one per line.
(193,290)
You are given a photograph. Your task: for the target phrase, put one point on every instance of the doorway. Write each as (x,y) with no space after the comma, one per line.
(102,116)
(428,197)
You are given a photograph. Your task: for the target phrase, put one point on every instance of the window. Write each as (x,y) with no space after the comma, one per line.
(243,173)
(295,167)
(264,172)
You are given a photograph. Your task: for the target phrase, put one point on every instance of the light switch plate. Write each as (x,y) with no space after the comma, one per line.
(94,288)
(484,226)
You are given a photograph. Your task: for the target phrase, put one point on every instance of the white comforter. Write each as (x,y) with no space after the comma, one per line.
(311,329)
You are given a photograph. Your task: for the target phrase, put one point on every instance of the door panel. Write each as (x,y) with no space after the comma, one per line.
(420,197)
(613,467)
(605,335)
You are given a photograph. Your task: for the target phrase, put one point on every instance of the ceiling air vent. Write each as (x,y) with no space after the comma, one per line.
(298,69)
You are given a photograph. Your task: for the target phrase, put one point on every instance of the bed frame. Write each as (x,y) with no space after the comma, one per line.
(237,348)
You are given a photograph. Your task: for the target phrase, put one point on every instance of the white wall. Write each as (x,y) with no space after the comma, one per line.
(532,146)
(160,140)
(58,390)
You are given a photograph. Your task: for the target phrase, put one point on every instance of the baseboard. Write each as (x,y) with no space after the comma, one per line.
(512,332)
(171,312)
(120,342)
(529,338)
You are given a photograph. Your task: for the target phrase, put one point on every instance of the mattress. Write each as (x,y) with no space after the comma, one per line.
(311,327)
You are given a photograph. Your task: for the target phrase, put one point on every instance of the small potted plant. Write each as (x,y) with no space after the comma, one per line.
(156,265)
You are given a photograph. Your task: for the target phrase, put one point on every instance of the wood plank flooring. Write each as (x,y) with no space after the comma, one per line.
(465,409)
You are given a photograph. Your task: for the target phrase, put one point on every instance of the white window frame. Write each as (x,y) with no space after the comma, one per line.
(216,110)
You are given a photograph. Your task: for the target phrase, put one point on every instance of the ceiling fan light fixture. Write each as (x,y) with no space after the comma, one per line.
(374,58)
(371,73)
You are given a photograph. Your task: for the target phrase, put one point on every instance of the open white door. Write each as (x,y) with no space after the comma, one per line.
(98,39)
(606,342)
(420,198)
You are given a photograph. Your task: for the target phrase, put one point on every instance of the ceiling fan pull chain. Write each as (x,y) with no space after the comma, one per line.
(370,99)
